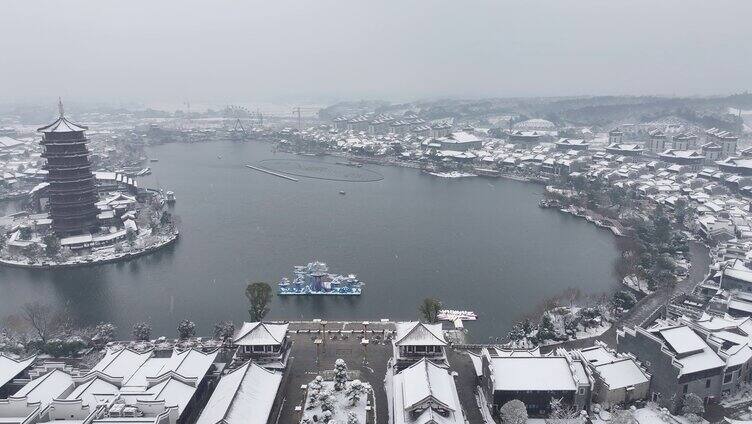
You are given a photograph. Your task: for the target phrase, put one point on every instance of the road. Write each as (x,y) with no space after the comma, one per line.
(647,306)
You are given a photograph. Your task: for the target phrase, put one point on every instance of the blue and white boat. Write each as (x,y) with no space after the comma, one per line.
(315,279)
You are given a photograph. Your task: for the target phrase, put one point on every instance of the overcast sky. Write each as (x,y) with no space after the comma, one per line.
(233,51)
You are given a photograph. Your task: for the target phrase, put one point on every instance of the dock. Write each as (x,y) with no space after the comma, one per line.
(276,174)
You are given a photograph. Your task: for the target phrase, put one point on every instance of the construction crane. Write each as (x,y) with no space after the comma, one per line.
(297,110)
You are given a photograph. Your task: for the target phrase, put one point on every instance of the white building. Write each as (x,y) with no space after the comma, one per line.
(11,369)
(264,342)
(124,387)
(425,393)
(245,395)
(618,378)
(415,340)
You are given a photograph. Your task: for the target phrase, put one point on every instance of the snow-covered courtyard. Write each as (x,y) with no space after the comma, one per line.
(340,401)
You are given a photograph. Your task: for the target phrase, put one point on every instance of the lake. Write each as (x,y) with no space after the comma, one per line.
(474,243)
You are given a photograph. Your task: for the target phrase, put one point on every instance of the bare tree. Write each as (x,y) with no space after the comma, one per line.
(41,319)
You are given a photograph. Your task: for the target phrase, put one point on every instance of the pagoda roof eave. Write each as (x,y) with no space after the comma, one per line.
(62,125)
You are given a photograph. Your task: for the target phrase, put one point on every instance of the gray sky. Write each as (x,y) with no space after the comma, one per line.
(224,51)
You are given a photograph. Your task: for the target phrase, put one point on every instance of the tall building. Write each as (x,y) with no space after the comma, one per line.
(72,189)
(725,139)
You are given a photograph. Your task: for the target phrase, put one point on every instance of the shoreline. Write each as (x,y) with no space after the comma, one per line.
(120,257)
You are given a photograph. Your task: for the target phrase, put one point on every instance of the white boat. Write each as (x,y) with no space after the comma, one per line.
(454,315)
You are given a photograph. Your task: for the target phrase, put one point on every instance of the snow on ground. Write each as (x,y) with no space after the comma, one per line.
(744,395)
(452,174)
(650,414)
(592,331)
(636,284)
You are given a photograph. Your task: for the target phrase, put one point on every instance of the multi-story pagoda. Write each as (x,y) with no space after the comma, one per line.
(72,189)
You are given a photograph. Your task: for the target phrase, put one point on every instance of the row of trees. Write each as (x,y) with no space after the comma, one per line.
(41,327)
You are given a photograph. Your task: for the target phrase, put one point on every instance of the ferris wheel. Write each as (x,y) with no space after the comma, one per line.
(233,112)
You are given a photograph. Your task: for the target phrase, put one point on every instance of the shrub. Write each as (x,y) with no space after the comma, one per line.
(141,331)
(513,412)
(186,329)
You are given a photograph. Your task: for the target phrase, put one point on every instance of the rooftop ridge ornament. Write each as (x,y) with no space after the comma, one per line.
(60,106)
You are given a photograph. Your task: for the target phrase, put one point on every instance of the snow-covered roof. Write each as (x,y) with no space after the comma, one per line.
(572,142)
(692,353)
(93,392)
(245,395)
(62,125)
(420,391)
(739,271)
(460,137)
(172,391)
(46,388)
(424,380)
(191,363)
(7,142)
(259,334)
(683,340)
(544,373)
(621,373)
(416,333)
(122,363)
(10,368)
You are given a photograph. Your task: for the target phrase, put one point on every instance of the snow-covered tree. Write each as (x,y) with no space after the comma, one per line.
(560,411)
(314,392)
(141,331)
(546,329)
(692,406)
(354,392)
(517,333)
(224,330)
(513,412)
(624,299)
(186,329)
(103,333)
(352,418)
(340,374)
(327,401)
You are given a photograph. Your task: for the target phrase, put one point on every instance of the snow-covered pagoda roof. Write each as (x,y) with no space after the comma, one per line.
(416,333)
(245,395)
(259,333)
(62,125)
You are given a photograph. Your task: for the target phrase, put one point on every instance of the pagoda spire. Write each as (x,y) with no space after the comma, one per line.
(60,106)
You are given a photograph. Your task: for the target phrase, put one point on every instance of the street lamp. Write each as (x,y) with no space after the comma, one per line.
(317,342)
(365,342)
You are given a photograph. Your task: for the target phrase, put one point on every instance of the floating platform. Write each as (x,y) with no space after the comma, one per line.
(314,279)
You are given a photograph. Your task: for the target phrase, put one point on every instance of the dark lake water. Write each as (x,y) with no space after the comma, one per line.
(474,243)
